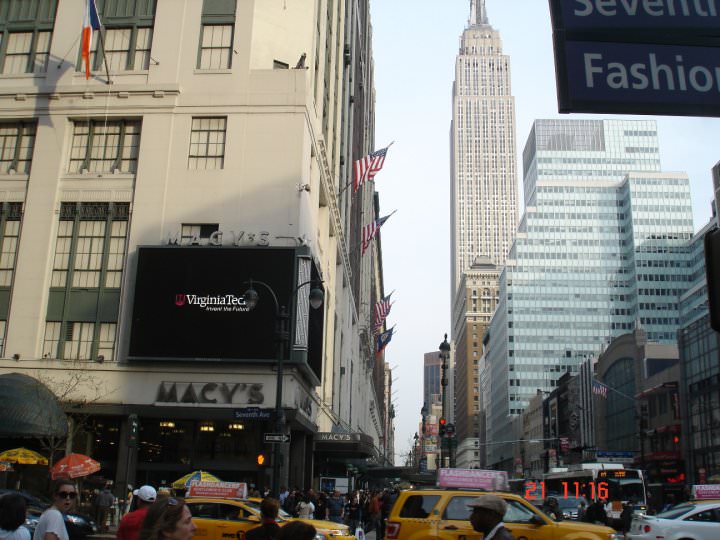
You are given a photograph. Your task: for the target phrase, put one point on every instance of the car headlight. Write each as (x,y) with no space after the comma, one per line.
(77,520)
(616,536)
(32,522)
(320,536)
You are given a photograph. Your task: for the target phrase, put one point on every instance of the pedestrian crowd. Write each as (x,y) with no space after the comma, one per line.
(365,509)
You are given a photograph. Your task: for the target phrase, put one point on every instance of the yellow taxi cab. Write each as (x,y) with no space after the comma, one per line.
(443,514)
(230,519)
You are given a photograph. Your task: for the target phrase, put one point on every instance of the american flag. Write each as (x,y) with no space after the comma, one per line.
(599,389)
(367,167)
(382,308)
(370,230)
(383,339)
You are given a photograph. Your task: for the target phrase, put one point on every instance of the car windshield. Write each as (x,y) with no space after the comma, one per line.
(676,511)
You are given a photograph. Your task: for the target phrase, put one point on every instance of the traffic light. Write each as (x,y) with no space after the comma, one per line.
(133,429)
(443,427)
(261,460)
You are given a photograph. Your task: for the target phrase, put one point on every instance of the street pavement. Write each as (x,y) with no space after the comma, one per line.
(110,535)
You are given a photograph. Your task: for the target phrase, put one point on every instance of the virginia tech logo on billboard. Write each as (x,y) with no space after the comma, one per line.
(225,302)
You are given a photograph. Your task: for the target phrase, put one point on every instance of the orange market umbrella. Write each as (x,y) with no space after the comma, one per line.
(23,456)
(74,466)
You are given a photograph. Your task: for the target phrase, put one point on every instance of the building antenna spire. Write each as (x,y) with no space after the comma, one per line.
(478,13)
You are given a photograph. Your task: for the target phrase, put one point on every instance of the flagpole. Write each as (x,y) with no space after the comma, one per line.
(101,36)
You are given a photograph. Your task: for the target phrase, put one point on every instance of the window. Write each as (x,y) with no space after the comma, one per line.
(87,274)
(457,508)
(216,46)
(17,140)
(25,36)
(120,53)
(216,34)
(706,515)
(128,36)
(9,233)
(207,143)
(104,146)
(197,233)
(418,506)
(10,215)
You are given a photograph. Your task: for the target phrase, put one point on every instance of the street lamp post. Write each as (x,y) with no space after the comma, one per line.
(423,457)
(444,356)
(416,451)
(282,337)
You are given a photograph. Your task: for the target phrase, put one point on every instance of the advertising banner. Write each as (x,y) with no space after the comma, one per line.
(706,491)
(227,490)
(473,479)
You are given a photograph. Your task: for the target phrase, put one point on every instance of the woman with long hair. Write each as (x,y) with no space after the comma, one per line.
(168,519)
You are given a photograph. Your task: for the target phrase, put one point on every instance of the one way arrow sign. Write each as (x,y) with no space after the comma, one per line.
(276,438)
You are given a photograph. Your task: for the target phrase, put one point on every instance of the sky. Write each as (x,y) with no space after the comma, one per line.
(415,43)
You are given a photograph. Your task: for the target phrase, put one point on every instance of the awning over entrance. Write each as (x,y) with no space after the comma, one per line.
(29,409)
(349,445)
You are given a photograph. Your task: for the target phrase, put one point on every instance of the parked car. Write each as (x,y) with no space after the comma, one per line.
(687,521)
(79,526)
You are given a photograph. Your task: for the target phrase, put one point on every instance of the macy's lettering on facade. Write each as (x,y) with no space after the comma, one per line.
(210,393)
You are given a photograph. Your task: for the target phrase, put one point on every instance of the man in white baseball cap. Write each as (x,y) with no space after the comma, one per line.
(487,515)
(129,527)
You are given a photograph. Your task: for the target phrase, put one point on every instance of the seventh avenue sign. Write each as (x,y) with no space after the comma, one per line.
(637,56)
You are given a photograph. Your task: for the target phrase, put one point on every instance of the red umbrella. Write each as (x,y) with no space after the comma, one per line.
(74,466)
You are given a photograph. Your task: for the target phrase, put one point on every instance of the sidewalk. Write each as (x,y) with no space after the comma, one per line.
(110,535)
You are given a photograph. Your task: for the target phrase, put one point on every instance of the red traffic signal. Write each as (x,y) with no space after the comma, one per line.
(443,427)
(443,421)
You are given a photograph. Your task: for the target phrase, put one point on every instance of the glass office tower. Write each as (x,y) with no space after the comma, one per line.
(601,249)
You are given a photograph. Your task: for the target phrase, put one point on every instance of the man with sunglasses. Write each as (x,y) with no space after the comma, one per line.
(51,525)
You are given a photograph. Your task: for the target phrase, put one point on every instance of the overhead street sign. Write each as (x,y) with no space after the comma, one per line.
(251,413)
(614,15)
(276,438)
(637,56)
(637,78)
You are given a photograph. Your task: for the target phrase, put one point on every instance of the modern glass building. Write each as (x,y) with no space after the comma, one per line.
(699,348)
(601,250)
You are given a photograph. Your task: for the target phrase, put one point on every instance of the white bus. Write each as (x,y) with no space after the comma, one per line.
(608,481)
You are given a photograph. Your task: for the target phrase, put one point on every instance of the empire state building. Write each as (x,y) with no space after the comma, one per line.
(483,164)
(483,214)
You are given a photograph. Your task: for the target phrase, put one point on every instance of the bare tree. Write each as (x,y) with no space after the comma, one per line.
(75,390)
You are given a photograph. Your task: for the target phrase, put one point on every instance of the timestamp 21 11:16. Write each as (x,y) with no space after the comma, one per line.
(591,490)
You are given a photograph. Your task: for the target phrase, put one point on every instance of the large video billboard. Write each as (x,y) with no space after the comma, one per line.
(189,304)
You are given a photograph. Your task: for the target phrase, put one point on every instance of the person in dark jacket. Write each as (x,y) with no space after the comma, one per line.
(596,513)
(552,509)
(487,517)
(269,528)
